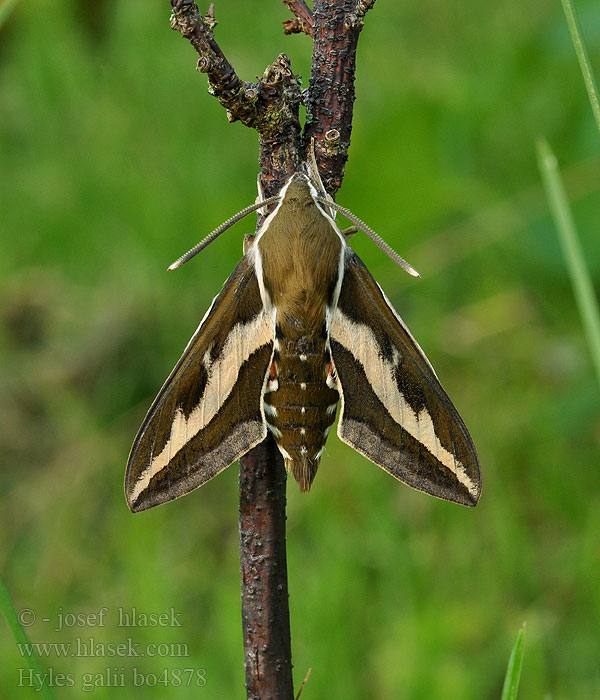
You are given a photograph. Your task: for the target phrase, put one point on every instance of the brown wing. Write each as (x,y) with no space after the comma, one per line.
(394,409)
(209,411)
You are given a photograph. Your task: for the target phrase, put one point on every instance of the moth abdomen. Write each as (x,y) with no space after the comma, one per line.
(298,413)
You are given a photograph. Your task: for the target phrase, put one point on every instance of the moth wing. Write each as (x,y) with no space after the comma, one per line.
(394,409)
(209,411)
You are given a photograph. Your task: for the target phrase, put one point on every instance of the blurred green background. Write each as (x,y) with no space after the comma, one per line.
(114,161)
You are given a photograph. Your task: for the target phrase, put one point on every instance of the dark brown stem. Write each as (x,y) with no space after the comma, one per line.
(336,27)
(265,609)
(302,22)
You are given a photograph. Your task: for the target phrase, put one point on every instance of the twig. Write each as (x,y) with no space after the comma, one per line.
(337,26)
(269,105)
(265,609)
(303,20)
(224,82)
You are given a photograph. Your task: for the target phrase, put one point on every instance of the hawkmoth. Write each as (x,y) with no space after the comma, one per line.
(299,326)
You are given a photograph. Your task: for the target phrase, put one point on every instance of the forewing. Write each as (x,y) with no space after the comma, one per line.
(209,411)
(394,409)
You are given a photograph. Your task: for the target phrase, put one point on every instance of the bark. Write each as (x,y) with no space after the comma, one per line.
(336,27)
(302,22)
(265,609)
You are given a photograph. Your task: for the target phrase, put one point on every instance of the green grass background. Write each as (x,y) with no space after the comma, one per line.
(114,161)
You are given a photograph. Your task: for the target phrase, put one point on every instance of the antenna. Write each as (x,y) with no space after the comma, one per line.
(221,229)
(387,249)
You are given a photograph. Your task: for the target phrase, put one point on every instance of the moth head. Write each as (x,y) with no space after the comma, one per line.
(298,192)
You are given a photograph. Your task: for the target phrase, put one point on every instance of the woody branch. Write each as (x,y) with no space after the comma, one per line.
(336,27)
(271,106)
(302,22)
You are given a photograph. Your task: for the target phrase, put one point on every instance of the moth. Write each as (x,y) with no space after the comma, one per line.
(299,326)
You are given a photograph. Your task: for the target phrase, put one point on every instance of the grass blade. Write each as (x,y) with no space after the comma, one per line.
(583,58)
(21,637)
(513,670)
(583,289)
(5,9)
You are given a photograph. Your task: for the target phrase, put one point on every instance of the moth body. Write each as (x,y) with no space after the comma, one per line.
(299,325)
(298,253)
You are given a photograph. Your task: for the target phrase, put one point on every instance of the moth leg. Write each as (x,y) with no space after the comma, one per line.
(248,242)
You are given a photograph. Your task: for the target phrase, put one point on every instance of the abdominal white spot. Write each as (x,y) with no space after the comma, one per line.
(272,385)
(303,410)
(303,450)
(303,358)
(302,431)
(276,432)
(303,386)
(271,410)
